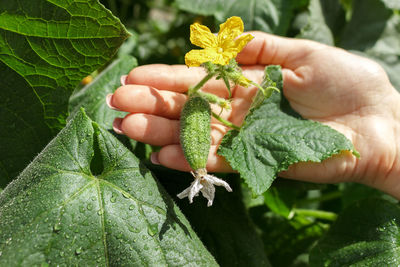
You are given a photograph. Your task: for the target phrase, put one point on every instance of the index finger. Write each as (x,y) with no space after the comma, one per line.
(176,78)
(266,49)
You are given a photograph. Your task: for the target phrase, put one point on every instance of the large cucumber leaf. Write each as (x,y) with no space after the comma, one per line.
(274,136)
(86,200)
(46,48)
(365,234)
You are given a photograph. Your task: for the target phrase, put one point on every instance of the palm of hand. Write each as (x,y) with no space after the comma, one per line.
(354,100)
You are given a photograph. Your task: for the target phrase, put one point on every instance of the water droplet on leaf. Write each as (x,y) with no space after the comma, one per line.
(152,229)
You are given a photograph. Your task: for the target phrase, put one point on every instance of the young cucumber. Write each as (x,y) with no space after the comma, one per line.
(195,138)
(195,131)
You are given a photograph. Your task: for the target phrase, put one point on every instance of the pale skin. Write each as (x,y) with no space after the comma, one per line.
(351,94)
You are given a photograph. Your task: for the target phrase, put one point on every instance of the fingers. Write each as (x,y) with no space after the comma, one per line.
(268,49)
(158,131)
(145,99)
(175,78)
(149,129)
(172,157)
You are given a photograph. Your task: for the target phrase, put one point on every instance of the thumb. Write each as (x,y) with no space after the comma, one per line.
(267,49)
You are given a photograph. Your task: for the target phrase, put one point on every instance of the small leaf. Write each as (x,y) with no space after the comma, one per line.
(92,96)
(86,200)
(365,234)
(274,136)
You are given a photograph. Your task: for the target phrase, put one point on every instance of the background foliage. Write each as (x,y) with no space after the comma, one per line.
(89,197)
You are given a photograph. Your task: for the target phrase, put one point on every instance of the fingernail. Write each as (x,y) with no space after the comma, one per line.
(117,125)
(123,79)
(154,158)
(109,101)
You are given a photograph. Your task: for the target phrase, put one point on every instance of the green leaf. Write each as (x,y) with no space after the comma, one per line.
(285,240)
(368,22)
(352,192)
(281,200)
(225,228)
(274,136)
(86,200)
(317,28)
(272,16)
(374,29)
(365,234)
(46,48)
(92,96)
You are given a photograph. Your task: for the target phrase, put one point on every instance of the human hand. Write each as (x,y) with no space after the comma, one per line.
(349,93)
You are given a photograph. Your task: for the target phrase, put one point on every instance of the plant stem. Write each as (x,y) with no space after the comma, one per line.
(318,214)
(227,123)
(194,89)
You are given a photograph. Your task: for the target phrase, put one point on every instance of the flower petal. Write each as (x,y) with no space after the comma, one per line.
(184,193)
(215,180)
(195,189)
(208,192)
(242,41)
(201,35)
(196,57)
(229,30)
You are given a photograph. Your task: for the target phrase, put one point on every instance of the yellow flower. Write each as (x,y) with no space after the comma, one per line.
(217,49)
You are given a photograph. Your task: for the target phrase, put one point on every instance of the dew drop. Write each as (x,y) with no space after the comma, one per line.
(125,195)
(89,206)
(82,209)
(99,212)
(113,198)
(152,229)
(131,207)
